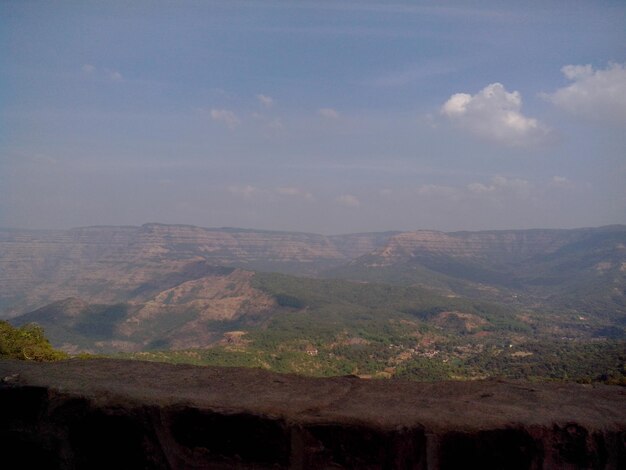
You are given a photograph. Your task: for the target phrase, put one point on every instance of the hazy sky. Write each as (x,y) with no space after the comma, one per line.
(320,116)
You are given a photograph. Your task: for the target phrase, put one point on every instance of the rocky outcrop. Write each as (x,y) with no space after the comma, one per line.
(358,244)
(124,414)
(501,246)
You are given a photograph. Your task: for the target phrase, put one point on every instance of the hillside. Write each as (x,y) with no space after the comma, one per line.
(112,264)
(334,327)
(425,305)
(183,314)
(581,270)
(197,312)
(115,264)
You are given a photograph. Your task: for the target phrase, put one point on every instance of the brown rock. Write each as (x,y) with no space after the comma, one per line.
(117,414)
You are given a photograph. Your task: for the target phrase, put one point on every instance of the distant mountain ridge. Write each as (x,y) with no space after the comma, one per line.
(493,246)
(578,269)
(105,264)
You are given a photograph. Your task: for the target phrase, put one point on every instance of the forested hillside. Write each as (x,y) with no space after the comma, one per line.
(424,305)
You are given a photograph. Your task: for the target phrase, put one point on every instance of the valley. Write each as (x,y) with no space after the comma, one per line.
(534,304)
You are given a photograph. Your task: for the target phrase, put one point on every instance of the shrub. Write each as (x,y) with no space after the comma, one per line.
(27,343)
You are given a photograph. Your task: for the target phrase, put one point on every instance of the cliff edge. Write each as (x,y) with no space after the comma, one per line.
(130,414)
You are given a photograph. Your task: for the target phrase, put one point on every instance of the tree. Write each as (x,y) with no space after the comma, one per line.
(27,343)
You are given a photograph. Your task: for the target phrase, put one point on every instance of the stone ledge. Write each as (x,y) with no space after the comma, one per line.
(130,414)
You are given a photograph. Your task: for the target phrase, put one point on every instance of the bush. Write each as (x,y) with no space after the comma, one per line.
(27,343)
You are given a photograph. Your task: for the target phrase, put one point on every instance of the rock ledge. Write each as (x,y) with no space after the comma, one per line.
(130,414)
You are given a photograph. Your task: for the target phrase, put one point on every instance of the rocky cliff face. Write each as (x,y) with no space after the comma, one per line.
(116,414)
(496,247)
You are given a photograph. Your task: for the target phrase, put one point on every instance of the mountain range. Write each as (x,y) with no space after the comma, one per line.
(112,264)
(179,287)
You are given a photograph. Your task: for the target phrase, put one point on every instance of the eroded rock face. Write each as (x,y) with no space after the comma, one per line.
(496,246)
(119,414)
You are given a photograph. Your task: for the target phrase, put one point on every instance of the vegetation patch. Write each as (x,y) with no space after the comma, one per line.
(27,342)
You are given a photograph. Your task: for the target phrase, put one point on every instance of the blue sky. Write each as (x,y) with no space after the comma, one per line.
(329,117)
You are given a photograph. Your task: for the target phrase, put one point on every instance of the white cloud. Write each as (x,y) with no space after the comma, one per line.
(328,113)
(561,182)
(294,192)
(247,191)
(494,114)
(288,191)
(438,191)
(272,124)
(227,117)
(102,74)
(496,186)
(479,188)
(596,94)
(348,200)
(254,193)
(456,105)
(497,189)
(264,100)
(500,184)
(115,76)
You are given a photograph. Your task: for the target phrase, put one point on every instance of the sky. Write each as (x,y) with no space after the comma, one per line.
(313,116)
